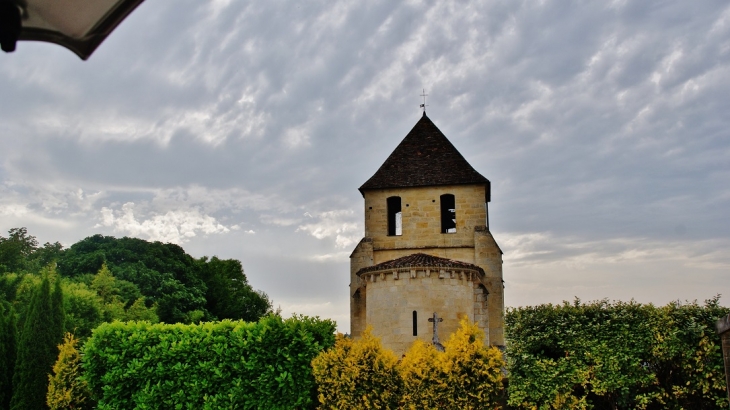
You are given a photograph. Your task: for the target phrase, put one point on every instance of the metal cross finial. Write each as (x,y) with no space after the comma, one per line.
(435,320)
(424,95)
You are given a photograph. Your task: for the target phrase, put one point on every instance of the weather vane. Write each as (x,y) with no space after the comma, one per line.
(424,95)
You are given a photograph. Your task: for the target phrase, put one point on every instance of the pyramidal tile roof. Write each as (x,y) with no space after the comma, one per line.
(420,260)
(425,157)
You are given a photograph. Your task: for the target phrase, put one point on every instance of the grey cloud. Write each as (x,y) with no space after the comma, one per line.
(594,122)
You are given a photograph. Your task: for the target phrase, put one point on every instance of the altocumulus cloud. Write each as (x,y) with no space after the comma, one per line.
(338,225)
(602,126)
(173,226)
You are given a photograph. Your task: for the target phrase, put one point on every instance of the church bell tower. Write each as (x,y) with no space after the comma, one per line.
(427,247)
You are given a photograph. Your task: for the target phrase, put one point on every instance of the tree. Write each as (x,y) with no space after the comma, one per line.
(83,307)
(9,284)
(16,249)
(37,351)
(104,284)
(164,273)
(229,295)
(44,256)
(114,293)
(138,311)
(66,388)
(57,309)
(184,289)
(8,333)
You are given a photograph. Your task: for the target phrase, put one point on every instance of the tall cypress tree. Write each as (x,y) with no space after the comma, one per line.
(8,334)
(37,349)
(59,315)
(3,366)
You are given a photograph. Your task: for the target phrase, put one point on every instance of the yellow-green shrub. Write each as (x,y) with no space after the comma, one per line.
(466,376)
(423,386)
(361,374)
(472,371)
(66,388)
(357,375)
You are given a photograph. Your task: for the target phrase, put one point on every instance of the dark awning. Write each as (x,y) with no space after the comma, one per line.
(79,25)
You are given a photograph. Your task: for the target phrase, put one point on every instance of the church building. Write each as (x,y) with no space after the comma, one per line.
(428,252)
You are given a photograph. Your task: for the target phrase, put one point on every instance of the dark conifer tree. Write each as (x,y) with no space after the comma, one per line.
(59,315)
(37,349)
(8,333)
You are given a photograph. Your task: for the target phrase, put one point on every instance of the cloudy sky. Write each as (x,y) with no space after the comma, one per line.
(243,129)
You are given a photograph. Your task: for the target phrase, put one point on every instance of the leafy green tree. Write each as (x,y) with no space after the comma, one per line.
(104,284)
(164,273)
(9,284)
(84,309)
(8,334)
(229,295)
(37,351)
(26,286)
(139,311)
(66,388)
(112,293)
(44,256)
(16,249)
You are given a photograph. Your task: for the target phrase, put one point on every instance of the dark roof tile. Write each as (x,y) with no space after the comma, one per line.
(420,260)
(425,157)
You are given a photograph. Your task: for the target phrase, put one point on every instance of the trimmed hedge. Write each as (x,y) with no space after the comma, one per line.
(220,365)
(619,355)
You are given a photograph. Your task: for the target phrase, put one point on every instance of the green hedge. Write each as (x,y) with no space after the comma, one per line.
(221,365)
(604,355)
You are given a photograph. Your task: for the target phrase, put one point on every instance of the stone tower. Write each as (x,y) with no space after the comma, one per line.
(427,246)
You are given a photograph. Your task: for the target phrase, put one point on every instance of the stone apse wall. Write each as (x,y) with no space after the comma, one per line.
(392,297)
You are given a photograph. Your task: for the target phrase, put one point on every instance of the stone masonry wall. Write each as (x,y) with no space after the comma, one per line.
(360,258)
(421,217)
(488,256)
(481,313)
(391,303)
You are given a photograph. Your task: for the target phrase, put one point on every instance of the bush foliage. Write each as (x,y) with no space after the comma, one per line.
(66,388)
(360,374)
(357,374)
(220,365)
(603,355)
